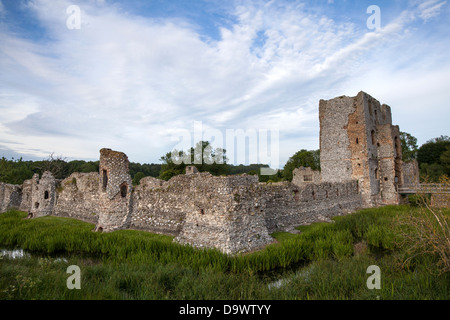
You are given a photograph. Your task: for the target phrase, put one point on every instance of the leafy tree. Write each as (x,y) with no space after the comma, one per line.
(15,171)
(432,171)
(431,151)
(409,146)
(302,158)
(203,156)
(137,178)
(432,157)
(445,160)
(168,174)
(208,159)
(171,166)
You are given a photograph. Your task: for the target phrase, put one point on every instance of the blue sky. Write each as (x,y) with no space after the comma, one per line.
(138,74)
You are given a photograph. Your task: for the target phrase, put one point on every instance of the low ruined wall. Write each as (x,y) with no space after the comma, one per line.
(225,213)
(160,206)
(288,205)
(77,197)
(25,202)
(234,214)
(10,197)
(411,174)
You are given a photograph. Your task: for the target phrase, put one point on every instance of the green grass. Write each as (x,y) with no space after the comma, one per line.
(319,263)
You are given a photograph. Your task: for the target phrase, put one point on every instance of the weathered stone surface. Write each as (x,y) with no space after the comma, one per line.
(411,174)
(43,195)
(160,206)
(115,196)
(77,197)
(304,176)
(10,197)
(359,142)
(26,189)
(287,205)
(225,213)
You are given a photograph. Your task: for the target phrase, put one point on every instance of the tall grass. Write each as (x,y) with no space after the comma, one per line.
(320,241)
(426,232)
(132,264)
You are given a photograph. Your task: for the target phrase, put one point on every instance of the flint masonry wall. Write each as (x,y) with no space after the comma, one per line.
(304,176)
(359,142)
(77,197)
(161,206)
(411,175)
(10,196)
(43,195)
(203,211)
(225,213)
(288,205)
(25,202)
(115,191)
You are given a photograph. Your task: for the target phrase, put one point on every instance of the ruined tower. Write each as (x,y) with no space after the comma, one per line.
(115,188)
(359,142)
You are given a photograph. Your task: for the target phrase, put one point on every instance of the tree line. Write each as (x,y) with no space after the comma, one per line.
(433,158)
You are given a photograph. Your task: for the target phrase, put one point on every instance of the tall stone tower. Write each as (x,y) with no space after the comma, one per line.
(115,188)
(359,142)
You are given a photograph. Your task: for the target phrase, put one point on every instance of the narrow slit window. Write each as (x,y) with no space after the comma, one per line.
(105,179)
(46,195)
(123,190)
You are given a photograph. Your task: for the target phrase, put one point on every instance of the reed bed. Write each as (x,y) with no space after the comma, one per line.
(54,235)
(325,261)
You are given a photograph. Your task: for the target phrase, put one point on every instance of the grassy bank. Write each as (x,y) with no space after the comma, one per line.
(326,261)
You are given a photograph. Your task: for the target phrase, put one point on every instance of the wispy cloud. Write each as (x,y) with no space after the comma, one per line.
(430,9)
(129,82)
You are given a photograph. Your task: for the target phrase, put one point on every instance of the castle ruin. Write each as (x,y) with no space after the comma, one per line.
(360,167)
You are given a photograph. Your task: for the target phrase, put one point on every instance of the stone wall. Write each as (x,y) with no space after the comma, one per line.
(161,206)
(304,176)
(233,214)
(26,190)
(10,197)
(288,205)
(225,213)
(77,197)
(43,195)
(411,175)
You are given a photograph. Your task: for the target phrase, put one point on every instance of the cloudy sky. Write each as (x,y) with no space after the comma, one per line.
(134,75)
